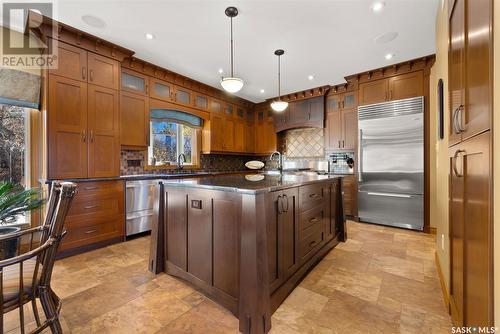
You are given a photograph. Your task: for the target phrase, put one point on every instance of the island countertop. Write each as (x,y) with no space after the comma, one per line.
(250,183)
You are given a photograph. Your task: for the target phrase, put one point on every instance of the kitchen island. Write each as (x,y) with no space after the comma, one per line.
(246,241)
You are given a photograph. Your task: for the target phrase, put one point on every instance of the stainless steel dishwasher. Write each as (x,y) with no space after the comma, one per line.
(139,206)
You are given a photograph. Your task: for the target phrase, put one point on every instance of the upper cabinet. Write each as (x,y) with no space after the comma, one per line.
(183,96)
(103,71)
(341,121)
(134,112)
(134,82)
(78,64)
(161,90)
(470,68)
(301,114)
(394,88)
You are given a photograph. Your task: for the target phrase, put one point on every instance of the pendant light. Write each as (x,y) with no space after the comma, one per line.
(279,105)
(231,84)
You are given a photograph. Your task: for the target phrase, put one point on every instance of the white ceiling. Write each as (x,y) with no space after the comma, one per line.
(326,39)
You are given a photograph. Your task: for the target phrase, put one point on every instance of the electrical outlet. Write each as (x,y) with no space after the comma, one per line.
(442,241)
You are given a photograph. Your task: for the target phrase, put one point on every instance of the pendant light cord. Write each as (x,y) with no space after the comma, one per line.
(279,78)
(232,74)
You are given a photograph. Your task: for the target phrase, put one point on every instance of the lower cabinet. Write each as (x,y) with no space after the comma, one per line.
(96,216)
(282,232)
(350,192)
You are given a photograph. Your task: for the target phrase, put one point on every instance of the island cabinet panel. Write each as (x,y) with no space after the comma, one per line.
(282,214)
(225,246)
(177,229)
(199,237)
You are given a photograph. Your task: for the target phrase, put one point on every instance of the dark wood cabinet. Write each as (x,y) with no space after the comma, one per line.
(350,195)
(341,132)
(282,208)
(471,255)
(134,120)
(104,132)
(398,87)
(67,128)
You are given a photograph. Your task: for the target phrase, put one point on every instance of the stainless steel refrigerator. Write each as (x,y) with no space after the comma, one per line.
(391,163)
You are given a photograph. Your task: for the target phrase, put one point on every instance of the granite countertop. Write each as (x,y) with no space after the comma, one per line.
(136,177)
(250,183)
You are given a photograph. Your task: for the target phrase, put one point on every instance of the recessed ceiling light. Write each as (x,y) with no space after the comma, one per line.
(386,38)
(94,21)
(262,91)
(378,6)
(310,77)
(150,36)
(389,56)
(221,70)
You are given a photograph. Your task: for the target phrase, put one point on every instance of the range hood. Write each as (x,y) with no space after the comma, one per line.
(307,113)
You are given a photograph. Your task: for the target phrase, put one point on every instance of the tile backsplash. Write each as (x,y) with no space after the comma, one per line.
(132,162)
(303,143)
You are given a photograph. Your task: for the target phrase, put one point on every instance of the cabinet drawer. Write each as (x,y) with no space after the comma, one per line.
(310,196)
(309,245)
(92,188)
(309,220)
(90,233)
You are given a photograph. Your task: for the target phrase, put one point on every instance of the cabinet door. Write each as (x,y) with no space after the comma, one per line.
(333,134)
(201,101)
(333,103)
(215,106)
(406,85)
(104,132)
(103,71)
(290,239)
(349,129)
(183,96)
(349,100)
(269,137)
(476,117)
(229,110)
(274,210)
(72,62)
(67,128)
(455,73)
(216,132)
(134,120)
(316,109)
(249,138)
(134,82)
(239,136)
(199,237)
(161,90)
(228,135)
(373,92)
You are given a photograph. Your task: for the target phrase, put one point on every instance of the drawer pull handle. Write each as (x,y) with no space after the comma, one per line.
(89,188)
(312,243)
(90,231)
(314,220)
(91,206)
(314,195)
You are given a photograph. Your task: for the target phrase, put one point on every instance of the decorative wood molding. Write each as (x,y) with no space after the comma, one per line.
(418,64)
(152,70)
(303,94)
(47,27)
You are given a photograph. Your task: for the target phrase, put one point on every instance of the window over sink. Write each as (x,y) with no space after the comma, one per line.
(173,133)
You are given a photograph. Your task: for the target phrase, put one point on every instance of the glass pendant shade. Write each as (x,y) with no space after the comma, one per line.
(231,85)
(279,105)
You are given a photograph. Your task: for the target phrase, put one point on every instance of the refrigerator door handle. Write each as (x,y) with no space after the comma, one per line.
(360,157)
(389,195)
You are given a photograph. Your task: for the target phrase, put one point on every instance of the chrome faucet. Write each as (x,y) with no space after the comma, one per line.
(280,160)
(181,159)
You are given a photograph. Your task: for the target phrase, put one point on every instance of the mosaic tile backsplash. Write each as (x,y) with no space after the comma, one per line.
(303,143)
(132,162)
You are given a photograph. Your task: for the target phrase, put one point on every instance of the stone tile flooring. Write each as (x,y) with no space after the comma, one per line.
(382,280)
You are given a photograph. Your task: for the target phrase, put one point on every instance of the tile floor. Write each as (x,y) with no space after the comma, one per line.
(382,280)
